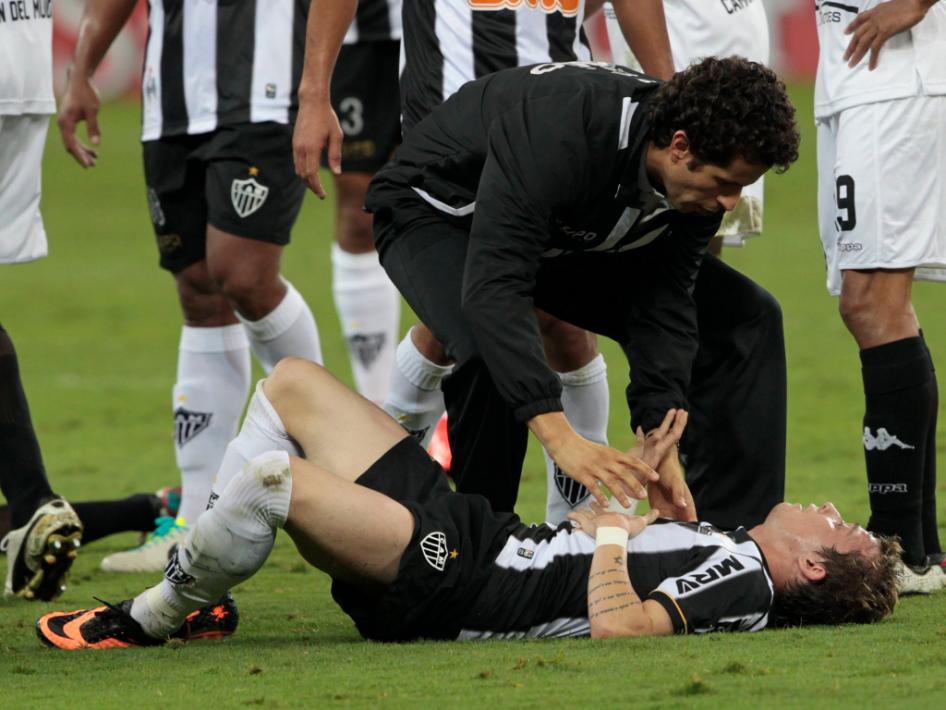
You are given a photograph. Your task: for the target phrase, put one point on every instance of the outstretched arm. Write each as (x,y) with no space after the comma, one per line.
(614,607)
(101,23)
(645,29)
(317,127)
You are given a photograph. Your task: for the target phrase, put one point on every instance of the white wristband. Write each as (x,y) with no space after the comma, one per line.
(611,536)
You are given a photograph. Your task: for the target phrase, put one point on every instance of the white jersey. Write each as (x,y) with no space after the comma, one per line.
(704,28)
(26,58)
(911,63)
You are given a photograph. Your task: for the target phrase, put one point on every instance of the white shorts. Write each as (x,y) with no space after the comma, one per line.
(22,236)
(882,188)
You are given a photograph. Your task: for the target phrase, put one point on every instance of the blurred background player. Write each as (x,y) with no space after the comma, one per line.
(698,29)
(446,44)
(882,209)
(39,531)
(218,100)
(365,98)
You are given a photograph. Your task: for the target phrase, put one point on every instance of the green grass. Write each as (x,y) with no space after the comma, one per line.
(97,324)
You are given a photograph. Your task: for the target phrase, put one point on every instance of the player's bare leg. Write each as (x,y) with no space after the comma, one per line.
(901,402)
(368,304)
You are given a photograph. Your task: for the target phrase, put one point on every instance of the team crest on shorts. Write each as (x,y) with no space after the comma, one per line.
(434,547)
(247,196)
(570,489)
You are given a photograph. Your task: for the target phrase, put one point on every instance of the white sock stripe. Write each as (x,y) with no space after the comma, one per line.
(589,374)
(213,340)
(416,368)
(278,321)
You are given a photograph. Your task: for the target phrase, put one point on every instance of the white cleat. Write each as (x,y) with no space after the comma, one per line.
(152,555)
(41,552)
(920,580)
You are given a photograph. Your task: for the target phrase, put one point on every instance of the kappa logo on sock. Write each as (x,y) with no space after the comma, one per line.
(175,574)
(570,489)
(188,424)
(884,488)
(366,347)
(434,547)
(883,441)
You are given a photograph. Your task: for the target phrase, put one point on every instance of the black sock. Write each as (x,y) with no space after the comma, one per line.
(930,530)
(22,476)
(101,518)
(900,394)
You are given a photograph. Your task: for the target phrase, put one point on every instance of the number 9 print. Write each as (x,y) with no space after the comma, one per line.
(845,200)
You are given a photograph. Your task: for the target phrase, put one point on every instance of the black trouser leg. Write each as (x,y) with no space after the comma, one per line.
(734,445)
(487,443)
(22,476)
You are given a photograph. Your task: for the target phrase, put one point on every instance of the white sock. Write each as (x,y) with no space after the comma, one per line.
(415,399)
(586,400)
(369,308)
(289,330)
(226,546)
(262,431)
(213,377)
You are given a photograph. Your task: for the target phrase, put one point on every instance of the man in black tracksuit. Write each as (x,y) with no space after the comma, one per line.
(591,192)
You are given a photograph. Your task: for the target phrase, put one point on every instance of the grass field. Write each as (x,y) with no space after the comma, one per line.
(96,326)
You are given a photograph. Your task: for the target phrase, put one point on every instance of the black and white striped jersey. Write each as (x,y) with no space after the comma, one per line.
(215,62)
(707,581)
(375,21)
(450,42)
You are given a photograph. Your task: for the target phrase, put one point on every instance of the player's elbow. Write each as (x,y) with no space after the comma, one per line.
(620,630)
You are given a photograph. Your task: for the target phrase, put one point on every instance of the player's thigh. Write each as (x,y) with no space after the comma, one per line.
(177,204)
(424,253)
(336,427)
(889,195)
(251,186)
(365,98)
(22,236)
(351,532)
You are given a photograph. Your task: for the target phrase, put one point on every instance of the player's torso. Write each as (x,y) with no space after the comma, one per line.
(450,42)
(211,63)
(26,57)
(704,28)
(912,62)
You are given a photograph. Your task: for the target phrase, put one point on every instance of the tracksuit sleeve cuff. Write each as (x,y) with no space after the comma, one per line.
(534,409)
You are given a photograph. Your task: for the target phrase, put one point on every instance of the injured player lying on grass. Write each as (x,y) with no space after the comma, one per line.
(410,559)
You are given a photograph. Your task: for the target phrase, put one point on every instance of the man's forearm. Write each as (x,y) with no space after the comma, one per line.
(614,609)
(645,29)
(326,26)
(101,23)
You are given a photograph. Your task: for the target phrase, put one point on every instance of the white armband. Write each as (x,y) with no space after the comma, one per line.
(611,536)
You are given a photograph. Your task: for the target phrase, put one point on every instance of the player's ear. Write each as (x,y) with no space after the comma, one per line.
(811,567)
(680,147)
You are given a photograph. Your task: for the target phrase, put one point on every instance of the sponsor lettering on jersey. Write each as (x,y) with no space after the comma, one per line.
(734,6)
(22,10)
(568,8)
(714,573)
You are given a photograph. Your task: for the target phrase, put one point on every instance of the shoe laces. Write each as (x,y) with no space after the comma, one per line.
(164,526)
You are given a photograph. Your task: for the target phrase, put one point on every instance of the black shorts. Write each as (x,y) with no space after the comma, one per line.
(239,179)
(447,562)
(365,98)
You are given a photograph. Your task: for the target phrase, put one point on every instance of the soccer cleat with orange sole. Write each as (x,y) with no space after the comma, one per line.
(111,626)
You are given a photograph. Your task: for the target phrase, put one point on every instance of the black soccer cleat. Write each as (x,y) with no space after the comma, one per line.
(107,626)
(212,621)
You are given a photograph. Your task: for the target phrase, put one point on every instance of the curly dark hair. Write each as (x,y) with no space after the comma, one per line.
(855,590)
(728,108)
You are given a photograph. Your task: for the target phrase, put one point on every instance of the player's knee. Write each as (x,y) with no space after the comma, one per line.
(567,347)
(355,233)
(200,299)
(289,376)
(865,317)
(246,288)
